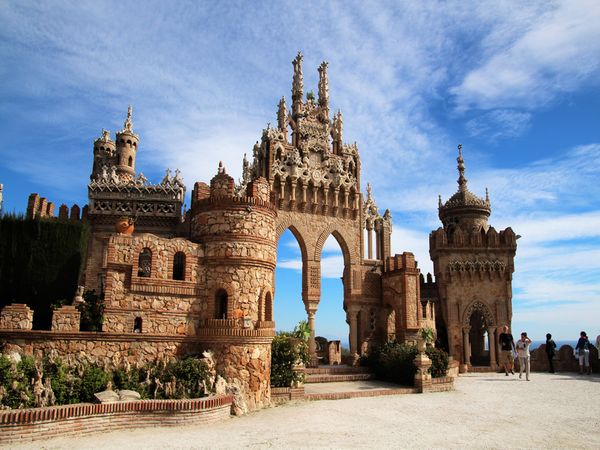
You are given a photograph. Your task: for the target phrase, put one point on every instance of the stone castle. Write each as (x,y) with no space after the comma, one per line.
(179,282)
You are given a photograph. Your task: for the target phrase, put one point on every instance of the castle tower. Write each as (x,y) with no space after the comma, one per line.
(238,237)
(126,149)
(104,155)
(473,266)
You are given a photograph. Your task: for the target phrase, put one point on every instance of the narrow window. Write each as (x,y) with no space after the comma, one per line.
(179,266)
(268,307)
(221,304)
(145,263)
(137,325)
(130,162)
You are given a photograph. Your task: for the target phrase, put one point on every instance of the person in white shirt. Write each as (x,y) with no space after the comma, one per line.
(524,356)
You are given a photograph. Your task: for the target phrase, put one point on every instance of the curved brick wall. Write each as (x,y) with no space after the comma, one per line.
(87,418)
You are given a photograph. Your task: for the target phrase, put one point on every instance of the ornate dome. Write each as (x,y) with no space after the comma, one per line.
(464,207)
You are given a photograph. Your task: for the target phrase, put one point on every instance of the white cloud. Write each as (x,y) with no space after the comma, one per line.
(499,124)
(331,266)
(555,54)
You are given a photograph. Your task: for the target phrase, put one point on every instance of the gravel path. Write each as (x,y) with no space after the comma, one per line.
(485,411)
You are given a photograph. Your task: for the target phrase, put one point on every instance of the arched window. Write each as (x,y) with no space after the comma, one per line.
(137,325)
(268,307)
(221,304)
(179,266)
(130,162)
(145,263)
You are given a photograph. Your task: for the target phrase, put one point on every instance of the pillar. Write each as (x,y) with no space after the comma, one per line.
(466,346)
(492,346)
(312,345)
(353,313)
(369,240)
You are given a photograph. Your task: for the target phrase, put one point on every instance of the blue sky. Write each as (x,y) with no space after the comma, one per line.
(517,83)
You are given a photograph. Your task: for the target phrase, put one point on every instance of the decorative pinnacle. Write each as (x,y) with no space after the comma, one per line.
(439,200)
(298,81)
(487,196)
(128,125)
(369,189)
(323,85)
(462,181)
(221,169)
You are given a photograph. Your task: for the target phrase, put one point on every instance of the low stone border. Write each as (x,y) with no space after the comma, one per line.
(442,384)
(86,418)
(354,394)
(285,394)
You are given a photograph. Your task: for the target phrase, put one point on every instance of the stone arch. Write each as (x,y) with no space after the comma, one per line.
(484,309)
(349,257)
(299,238)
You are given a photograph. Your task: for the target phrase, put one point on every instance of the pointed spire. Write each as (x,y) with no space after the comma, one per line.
(324,87)
(462,181)
(487,196)
(338,127)
(221,168)
(105,135)
(282,115)
(369,191)
(128,125)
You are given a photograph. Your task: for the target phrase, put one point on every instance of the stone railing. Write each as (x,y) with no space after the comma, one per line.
(86,418)
(16,316)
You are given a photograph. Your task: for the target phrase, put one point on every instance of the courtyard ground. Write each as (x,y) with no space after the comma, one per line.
(485,411)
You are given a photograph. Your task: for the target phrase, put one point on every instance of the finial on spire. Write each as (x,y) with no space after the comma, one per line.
(369,191)
(487,196)
(462,181)
(338,127)
(128,125)
(221,169)
(105,135)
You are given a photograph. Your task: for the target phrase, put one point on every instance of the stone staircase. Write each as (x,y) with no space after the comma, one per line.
(333,374)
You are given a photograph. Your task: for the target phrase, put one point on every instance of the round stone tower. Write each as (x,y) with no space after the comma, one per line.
(104,154)
(127,142)
(238,233)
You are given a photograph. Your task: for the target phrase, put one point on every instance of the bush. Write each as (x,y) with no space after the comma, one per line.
(284,356)
(94,380)
(92,311)
(192,377)
(393,362)
(439,362)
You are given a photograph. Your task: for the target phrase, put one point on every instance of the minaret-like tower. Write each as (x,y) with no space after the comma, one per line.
(473,265)
(324,91)
(126,149)
(104,155)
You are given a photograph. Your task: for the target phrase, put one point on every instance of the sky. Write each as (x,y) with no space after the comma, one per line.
(516,83)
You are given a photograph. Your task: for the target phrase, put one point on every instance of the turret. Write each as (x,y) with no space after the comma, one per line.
(464,209)
(104,154)
(297,85)
(126,149)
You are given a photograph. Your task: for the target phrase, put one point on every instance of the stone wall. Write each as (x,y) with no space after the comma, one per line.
(16,316)
(100,348)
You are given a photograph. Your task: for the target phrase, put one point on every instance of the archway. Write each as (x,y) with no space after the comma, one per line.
(288,308)
(480,356)
(330,318)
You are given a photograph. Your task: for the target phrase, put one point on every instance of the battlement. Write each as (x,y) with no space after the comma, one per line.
(456,238)
(40,207)
(429,288)
(406,261)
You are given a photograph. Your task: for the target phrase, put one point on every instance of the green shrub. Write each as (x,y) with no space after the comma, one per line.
(439,362)
(393,362)
(92,311)
(94,380)
(192,377)
(284,356)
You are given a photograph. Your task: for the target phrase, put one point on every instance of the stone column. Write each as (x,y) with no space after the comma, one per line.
(369,240)
(312,345)
(492,346)
(353,313)
(466,346)
(422,377)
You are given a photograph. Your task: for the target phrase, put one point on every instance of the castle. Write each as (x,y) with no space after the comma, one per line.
(179,282)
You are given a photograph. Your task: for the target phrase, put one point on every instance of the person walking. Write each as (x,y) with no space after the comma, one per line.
(507,347)
(550,351)
(583,352)
(524,355)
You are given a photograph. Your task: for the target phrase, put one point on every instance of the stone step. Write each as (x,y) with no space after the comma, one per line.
(335,378)
(335,370)
(481,369)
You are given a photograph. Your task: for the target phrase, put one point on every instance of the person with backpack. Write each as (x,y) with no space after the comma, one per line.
(583,352)
(550,351)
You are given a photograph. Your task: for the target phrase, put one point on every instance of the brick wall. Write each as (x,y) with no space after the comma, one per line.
(87,418)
